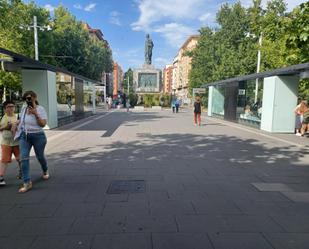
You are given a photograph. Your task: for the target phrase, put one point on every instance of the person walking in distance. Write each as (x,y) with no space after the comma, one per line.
(304,110)
(30,134)
(197,111)
(8,126)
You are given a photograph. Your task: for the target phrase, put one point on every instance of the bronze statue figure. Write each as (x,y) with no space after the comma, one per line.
(148,49)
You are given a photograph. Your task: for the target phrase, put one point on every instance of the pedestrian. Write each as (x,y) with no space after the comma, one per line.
(197,111)
(30,134)
(128,104)
(69,101)
(173,105)
(304,110)
(110,101)
(298,119)
(9,147)
(177,105)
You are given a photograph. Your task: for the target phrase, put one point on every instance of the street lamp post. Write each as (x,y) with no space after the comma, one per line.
(258,69)
(35,27)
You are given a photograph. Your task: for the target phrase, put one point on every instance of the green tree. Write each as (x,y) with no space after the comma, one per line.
(128,75)
(225,52)
(68,45)
(297,38)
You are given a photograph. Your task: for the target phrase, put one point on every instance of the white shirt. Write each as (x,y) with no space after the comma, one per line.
(29,123)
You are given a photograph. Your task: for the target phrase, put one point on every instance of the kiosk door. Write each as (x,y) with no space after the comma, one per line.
(230,101)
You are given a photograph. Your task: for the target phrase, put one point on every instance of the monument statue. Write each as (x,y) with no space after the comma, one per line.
(148,50)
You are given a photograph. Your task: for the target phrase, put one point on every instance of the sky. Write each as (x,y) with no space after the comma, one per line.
(125,24)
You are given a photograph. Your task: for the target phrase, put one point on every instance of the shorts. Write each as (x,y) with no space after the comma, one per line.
(8,151)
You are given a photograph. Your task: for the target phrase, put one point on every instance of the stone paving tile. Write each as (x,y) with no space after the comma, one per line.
(201,223)
(44,226)
(9,226)
(267,196)
(153,196)
(239,241)
(159,186)
(98,225)
(215,206)
(238,187)
(288,240)
(300,187)
(181,241)
(32,210)
(286,179)
(66,196)
(126,208)
(294,209)
(171,207)
(4,209)
(145,224)
(63,242)
(79,210)
(187,195)
(35,196)
(259,208)
(293,224)
(122,241)
(252,223)
(103,197)
(16,242)
(271,186)
(297,196)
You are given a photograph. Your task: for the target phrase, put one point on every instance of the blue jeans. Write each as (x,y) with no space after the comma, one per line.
(38,141)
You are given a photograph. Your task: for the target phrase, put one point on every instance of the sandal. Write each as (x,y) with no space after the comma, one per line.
(25,187)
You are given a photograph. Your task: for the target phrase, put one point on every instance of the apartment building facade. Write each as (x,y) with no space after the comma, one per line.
(167,79)
(181,69)
(117,78)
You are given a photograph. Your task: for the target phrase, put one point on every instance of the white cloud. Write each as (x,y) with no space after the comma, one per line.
(77,6)
(175,33)
(49,7)
(152,11)
(114,18)
(90,7)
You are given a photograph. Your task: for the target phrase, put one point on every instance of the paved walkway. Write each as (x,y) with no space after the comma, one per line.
(152,180)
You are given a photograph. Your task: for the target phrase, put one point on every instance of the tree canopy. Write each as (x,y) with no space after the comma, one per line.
(230,49)
(68,45)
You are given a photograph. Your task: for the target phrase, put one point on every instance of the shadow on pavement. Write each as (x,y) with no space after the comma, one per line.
(111,124)
(220,152)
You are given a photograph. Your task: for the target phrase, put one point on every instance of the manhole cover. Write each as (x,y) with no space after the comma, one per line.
(126,187)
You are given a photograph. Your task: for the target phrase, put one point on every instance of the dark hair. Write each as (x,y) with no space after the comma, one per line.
(7,102)
(32,94)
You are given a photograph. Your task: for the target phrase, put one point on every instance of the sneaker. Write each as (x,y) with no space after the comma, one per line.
(298,134)
(25,187)
(2,182)
(45,175)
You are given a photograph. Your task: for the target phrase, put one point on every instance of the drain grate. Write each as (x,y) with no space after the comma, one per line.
(126,187)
